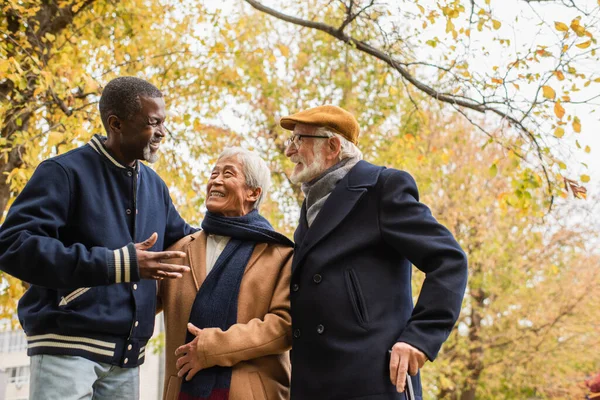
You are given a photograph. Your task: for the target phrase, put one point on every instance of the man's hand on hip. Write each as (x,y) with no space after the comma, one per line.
(404,358)
(150,262)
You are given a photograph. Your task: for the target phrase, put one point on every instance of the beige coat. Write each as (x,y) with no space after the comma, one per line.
(257,345)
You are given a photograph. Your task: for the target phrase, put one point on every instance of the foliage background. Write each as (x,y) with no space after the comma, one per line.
(530,316)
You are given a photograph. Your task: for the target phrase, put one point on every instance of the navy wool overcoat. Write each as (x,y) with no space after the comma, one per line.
(351,294)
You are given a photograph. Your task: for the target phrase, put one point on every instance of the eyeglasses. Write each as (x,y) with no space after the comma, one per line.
(296,139)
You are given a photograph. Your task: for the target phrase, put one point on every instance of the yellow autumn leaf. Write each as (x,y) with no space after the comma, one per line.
(559,132)
(587,149)
(584,45)
(577,125)
(559,110)
(560,26)
(285,51)
(585,178)
(559,75)
(549,93)
(54,138)
(578,29)
(497,24)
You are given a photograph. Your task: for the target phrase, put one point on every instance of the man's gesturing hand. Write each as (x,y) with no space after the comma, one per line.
(150,262)
(404,358)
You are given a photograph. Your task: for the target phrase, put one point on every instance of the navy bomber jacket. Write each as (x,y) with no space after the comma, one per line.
(71,234)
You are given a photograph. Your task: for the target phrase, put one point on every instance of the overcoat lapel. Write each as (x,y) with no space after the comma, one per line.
(197,252)
(338,205)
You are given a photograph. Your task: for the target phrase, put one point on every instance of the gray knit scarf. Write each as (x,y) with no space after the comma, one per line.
(318,190)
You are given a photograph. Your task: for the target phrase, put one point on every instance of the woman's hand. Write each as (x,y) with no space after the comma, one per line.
(190,362)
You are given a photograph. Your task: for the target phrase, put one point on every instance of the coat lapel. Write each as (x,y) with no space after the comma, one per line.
(339,204)
(197,254)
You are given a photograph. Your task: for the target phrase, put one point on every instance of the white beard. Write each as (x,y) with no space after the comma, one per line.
(149,156)
(309,172)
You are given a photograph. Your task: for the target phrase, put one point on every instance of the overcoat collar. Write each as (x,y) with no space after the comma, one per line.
(338,205)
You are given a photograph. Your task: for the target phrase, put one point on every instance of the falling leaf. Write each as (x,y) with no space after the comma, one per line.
(497,24)
(549,93)
(577,125)
(585,178)
(559,132)
(493,170)
(559,110)
(561,27)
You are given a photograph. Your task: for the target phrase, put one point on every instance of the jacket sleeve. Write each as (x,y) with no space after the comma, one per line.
(408,226)
(176,227)
(258,337)
(30,248)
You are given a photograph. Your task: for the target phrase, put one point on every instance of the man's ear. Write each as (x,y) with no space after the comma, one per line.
(335,146)
(252,195)
(114,123)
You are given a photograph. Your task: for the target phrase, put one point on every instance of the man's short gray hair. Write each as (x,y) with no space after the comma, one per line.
(347,150)
(256,171)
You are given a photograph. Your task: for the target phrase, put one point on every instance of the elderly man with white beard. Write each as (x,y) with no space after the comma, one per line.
(356,332)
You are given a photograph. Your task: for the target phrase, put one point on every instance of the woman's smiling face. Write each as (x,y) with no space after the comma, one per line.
(227,193)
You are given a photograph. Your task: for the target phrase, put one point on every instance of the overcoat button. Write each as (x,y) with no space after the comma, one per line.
(295,287)
(128,211)
(297,333)
(320,329)
(317,278)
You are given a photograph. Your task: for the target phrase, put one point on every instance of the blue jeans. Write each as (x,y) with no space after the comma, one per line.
(77,378)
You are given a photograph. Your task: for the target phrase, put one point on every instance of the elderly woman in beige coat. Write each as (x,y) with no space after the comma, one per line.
(228,325)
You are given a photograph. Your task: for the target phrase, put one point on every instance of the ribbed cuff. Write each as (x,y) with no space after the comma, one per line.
(123,265)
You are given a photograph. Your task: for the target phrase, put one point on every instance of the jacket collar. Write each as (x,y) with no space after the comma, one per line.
(196,250)
(339,204)
(97,143)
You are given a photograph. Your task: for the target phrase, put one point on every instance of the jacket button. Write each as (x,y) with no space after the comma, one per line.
(128,211)
(135,286)
(129,173)
(125,361)
(295,287)
(129,347)
(320,329)
(317,278)
(297,333)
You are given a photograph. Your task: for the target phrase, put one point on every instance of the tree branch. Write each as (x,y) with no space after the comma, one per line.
(455,101)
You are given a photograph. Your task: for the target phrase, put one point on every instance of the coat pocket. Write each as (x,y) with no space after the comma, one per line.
(356,298)
(256,386)
(72,296)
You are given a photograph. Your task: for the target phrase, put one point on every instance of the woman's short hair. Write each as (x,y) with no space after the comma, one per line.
(256,171)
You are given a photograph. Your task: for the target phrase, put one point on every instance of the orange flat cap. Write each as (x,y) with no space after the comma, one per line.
(332,117)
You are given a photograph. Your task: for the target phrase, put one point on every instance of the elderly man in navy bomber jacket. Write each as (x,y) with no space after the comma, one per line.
(81,232)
